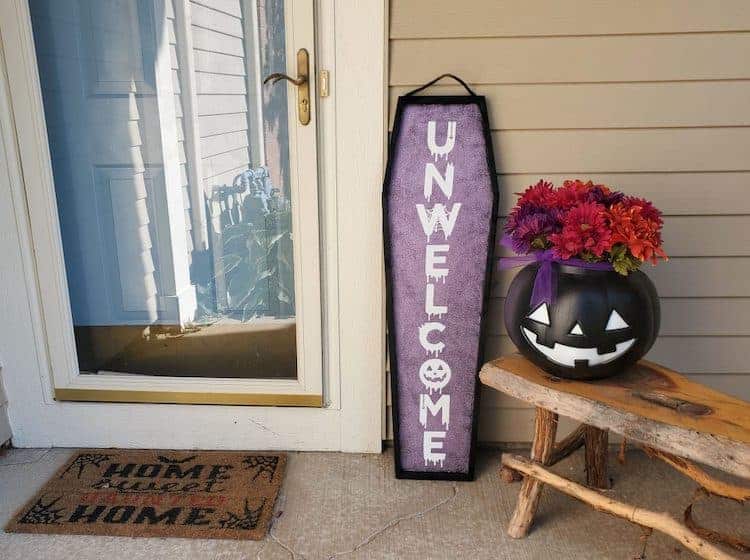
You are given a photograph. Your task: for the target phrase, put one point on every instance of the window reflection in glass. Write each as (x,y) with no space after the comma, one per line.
(172,179)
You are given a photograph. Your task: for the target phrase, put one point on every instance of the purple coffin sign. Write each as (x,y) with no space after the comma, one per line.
(440,201)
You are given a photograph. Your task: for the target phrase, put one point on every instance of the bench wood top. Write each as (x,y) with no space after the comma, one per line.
(647,403)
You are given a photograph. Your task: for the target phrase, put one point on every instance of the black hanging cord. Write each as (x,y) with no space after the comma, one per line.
(428,84)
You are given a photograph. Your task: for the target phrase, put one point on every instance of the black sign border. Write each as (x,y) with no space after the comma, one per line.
(403,102)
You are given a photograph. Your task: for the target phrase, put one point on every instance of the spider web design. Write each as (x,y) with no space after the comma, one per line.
(247,521)
(84,460)
(264,463)
(43,513)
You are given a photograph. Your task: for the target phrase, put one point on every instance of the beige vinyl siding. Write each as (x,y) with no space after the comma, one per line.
(650,97)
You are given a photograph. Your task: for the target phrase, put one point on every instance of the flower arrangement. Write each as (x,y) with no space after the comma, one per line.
(586,221)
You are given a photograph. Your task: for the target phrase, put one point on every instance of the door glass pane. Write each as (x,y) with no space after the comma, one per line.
(172,178)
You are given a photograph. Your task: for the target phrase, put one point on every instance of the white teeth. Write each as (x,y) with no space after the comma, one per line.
(567,356)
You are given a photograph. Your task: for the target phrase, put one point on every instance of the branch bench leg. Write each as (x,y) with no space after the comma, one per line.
(597,443)
(660,521)
(568,445)
(545,429)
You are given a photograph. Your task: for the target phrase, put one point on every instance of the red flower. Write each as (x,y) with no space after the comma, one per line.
(647,210)
(589,221)
(542,194)
(585,232)
(637,223)
(572,193)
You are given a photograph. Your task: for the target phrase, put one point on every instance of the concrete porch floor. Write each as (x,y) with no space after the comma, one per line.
(350,506)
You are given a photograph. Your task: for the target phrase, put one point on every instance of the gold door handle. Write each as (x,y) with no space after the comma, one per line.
(302,81)
(278,76)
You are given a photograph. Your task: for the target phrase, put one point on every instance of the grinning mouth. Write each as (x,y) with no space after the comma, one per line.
(567,356)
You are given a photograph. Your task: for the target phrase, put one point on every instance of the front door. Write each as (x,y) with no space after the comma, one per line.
(185,193)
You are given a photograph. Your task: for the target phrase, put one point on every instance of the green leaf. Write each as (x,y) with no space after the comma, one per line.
(622,261)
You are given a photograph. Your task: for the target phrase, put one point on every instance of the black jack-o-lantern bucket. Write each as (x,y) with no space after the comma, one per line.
(599,322)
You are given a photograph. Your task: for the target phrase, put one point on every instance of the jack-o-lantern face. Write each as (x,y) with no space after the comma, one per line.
(434,374)
(600,321)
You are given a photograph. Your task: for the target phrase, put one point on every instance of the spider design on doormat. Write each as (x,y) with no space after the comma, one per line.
(84,460)
(43,514)
(264,463)
(247,521)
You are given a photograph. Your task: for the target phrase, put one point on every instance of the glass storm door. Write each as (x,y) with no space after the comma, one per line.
(186,195)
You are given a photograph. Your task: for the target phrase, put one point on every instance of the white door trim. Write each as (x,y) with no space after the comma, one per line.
(352,252)
(360,84)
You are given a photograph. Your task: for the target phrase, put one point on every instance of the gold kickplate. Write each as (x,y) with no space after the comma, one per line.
(185,397)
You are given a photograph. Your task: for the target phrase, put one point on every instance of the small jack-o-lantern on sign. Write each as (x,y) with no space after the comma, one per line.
(440,208)
(599,322)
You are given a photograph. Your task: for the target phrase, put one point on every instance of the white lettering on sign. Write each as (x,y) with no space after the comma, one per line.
(433,441)
(430,307)
(432,259)
(435,219)
(442,407)
(433,348)
(435,373)
(432,175)
(450,140)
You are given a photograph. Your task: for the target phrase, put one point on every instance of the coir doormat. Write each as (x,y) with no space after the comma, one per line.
(156,493)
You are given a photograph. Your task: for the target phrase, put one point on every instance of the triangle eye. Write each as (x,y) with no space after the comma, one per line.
(576,329)
(540,315)
(615,322)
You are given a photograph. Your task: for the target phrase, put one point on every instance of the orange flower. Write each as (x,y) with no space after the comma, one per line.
(636,223)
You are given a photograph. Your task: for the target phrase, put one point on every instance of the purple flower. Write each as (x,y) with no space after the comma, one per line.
(602,195)
(529,227)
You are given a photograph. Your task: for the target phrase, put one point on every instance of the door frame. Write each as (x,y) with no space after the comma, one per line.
(306,389)
(350,225)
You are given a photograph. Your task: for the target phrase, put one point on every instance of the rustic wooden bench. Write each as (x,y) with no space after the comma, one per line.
(669,416)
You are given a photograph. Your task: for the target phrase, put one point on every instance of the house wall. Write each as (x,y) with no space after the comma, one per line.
(5,433)
(651,98)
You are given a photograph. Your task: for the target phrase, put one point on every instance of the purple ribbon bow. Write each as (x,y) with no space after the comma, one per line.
(545,283)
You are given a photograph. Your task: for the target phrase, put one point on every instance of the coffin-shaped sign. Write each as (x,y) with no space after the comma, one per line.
(440,204)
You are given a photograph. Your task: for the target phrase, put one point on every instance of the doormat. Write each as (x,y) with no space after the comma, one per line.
(157,493)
